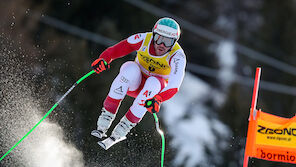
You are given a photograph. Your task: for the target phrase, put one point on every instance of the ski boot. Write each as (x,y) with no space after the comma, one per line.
(104,122)
(119,133)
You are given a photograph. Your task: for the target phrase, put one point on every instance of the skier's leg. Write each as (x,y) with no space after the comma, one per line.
(137,111)
(129,78)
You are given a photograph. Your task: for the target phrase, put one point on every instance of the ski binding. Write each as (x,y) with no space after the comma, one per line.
(98,133)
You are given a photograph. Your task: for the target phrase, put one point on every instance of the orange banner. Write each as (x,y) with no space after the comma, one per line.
(271,137)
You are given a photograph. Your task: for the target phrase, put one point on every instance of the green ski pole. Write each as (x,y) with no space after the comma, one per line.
(52,108)
(162,138)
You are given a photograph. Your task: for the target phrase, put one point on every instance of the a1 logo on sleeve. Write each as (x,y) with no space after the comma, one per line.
(135,38)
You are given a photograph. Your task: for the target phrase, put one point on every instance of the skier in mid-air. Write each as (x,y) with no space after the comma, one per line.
(154,77)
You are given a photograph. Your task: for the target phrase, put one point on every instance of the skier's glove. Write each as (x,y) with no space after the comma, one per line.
(153,104)
(100,65)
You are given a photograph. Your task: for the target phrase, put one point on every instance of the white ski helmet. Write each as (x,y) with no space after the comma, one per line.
(167,27)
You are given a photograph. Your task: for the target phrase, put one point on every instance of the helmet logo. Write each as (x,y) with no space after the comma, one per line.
(175,34)
(166,32)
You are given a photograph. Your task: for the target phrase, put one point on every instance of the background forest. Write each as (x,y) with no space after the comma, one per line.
(46,46)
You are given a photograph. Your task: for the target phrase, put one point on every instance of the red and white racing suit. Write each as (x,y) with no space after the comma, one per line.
(145,77)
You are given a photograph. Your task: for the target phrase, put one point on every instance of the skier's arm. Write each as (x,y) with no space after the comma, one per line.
(178,63)
(123,48)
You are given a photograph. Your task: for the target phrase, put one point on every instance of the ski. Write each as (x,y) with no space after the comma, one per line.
(109,142)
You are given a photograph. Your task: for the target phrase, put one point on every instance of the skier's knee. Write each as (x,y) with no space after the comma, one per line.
(129,66)
(153,81)
(130,70)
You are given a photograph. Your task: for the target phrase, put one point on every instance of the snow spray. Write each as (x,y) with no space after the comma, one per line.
(19,110)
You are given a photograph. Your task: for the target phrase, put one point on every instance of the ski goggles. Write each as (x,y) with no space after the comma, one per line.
(159,39)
